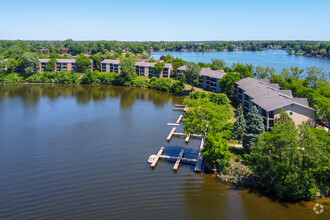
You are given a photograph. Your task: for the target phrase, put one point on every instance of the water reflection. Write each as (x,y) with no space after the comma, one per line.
(84,94)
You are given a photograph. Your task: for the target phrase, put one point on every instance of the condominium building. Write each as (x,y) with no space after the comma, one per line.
(147,69)
(210,79)
(142,68)
(61,64)
(269,99)
(111,66)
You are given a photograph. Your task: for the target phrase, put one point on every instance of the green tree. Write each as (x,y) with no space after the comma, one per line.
(177,87)
(263,73)
(83,63)
(216,151)
(315,74)
(90,78)
(97,59)
(192,74)
(128,71)
(227,83)
(51,64)
(159,67)
(218,64)
(239,125)
(291,74)
(12,65)
(30,62)
(289,50)
(291,162)
(254,127)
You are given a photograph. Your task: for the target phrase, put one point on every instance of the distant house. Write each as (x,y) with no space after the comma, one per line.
(62,64)
(45,51)
(210,79)
(5,61)
(142,68)
(269,99)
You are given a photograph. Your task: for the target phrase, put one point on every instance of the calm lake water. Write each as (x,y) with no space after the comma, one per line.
(80,152)
(273,58)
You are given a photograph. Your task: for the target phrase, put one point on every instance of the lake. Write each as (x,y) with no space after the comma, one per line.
(278,59)
(80,152)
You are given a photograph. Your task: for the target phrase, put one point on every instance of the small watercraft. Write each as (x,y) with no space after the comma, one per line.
(151,158)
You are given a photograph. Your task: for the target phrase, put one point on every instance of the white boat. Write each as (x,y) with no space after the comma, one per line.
(151,158)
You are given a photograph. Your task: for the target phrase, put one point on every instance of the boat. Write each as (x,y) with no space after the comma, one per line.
(151,158)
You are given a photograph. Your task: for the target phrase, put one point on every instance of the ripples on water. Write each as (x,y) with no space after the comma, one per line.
(273,58)
(81,152)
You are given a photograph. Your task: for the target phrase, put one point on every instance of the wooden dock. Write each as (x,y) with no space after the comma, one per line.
(199,164)
(179,159)
(171,134)
(179,119)
(173,124)
(177,163)
(153,164)
(187,138)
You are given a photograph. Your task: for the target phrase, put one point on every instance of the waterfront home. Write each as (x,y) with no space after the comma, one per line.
(62,64)
(210,79)
(142,68)
(269,99)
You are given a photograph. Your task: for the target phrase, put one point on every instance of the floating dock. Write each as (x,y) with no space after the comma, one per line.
(199,163)
(153,164)
(171,134)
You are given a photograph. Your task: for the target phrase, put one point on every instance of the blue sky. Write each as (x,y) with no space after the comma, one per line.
(179,20)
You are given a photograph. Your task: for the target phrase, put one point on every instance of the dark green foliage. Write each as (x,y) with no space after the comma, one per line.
(219,98)
(227,83)
(51,64)
(67,77)
(216,151)
(218,64)
(107,78)
(161,84)
(83,63)
(177,87)
(254,127)
(30,63)
(239,125)
(192,74)
(291,162)
(159,67)
(128,73)
(90,78)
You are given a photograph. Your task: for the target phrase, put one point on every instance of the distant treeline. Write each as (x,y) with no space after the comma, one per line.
(13,49)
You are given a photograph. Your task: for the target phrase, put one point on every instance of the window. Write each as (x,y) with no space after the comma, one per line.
(271,114)
(291,113)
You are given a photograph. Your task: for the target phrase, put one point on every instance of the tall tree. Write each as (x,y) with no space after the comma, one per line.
(263,73)
(83,63)
(291,162)
(192,74)
(159,67)
(51,64)
(128,71)
(254,127)
(30,62)
(239,125)
(218,64)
